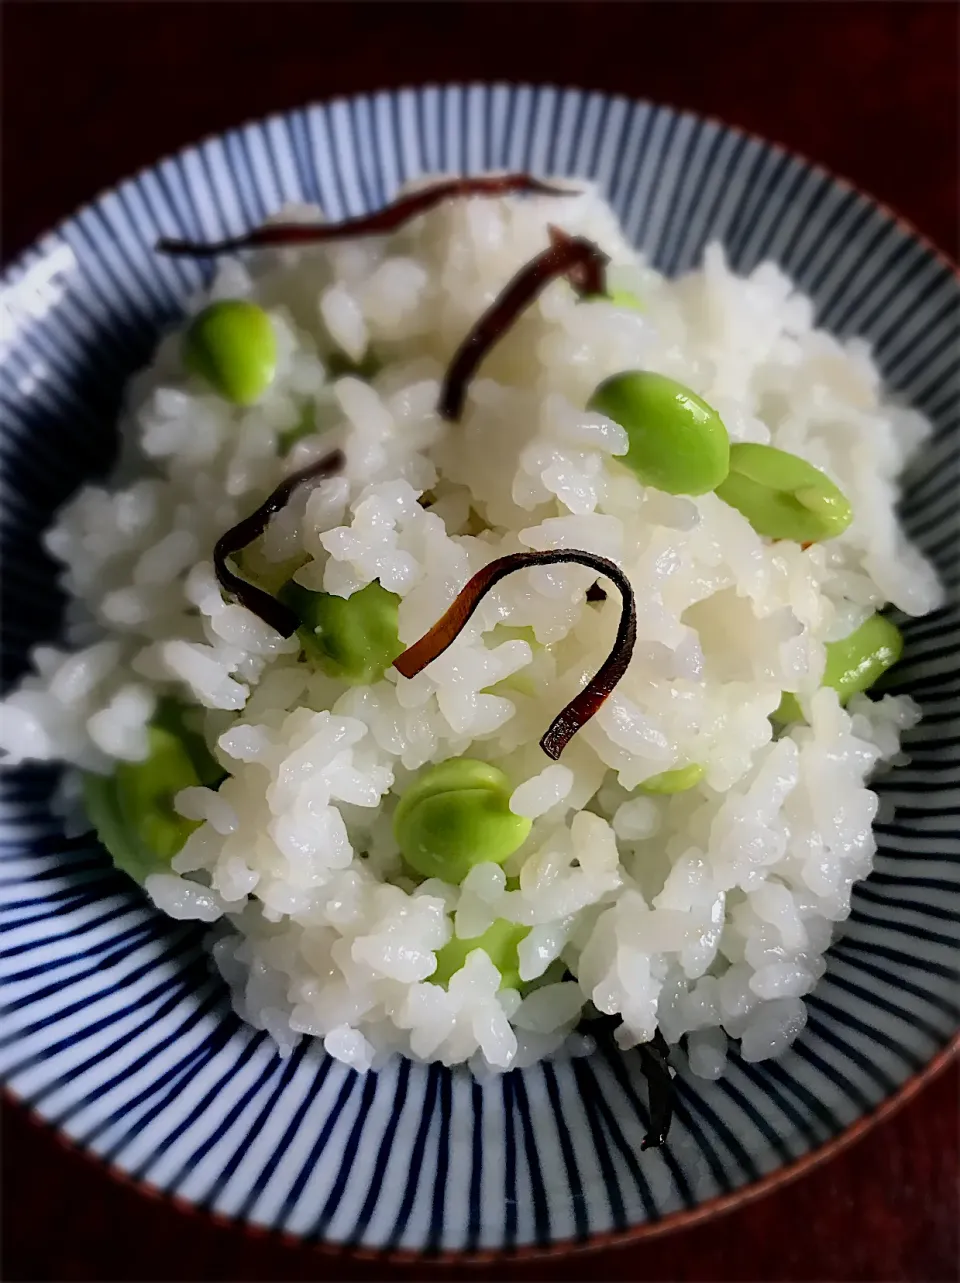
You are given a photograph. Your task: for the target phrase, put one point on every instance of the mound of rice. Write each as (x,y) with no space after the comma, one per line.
(704,914)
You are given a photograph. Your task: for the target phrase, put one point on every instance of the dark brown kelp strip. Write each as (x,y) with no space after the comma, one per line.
(574,257)
(379,223)
(654,1061)
(238,537)
(586,275)
(580,709)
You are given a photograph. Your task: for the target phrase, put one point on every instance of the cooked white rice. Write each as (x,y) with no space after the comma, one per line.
(706,913)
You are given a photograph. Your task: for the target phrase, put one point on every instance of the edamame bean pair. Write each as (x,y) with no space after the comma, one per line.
(678,443)
(454,816)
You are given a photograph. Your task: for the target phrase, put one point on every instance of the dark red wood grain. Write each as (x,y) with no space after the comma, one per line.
(92,92)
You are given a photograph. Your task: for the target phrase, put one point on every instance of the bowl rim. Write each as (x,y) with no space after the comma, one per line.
(599,1242)
(608,1239)
(13,265)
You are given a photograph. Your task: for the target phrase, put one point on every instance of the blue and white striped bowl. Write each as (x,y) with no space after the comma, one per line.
(114,1030)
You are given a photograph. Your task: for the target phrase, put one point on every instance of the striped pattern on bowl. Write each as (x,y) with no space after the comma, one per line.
(114,1029)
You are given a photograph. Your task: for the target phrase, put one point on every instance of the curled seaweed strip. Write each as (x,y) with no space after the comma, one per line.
(584,705)
(380,223)
(574,257)
(234,540)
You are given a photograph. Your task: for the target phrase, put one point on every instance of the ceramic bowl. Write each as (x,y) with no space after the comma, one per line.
(114,1030)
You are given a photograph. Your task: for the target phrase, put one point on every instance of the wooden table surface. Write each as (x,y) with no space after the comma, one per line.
(93,91)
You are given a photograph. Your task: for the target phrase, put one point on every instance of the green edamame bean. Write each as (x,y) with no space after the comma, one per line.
(853,663)
(132,810)
(499,942)
(351,638)
(456,815)
(232,346)
(621,298)
(783,496)
(676,781)
(626,299)
(271,576)
(788,710)
(677,442)
(454,773)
